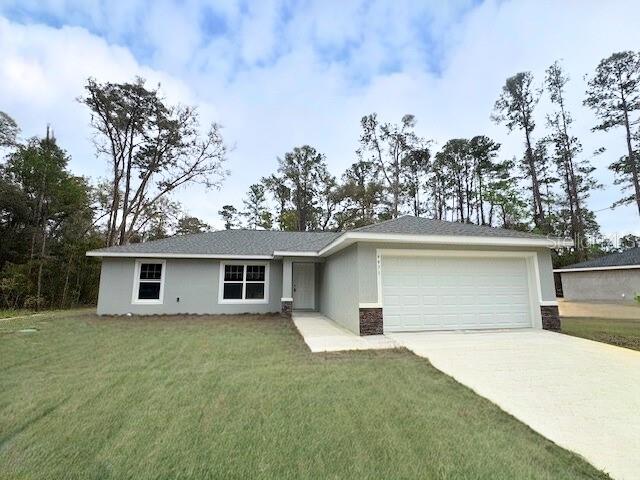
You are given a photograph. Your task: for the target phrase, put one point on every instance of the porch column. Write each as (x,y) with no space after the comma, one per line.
(287,287)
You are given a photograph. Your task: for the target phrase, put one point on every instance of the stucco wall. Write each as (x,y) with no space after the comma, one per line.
(601,285)
(194,281)
(339,288)
(367,268)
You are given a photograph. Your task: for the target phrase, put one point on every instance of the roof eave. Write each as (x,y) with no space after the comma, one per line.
(293,253)
(102,254)
(591,269)
(351,237)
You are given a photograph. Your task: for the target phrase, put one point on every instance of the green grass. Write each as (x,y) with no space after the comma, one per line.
(14,313)
(242,397)
(619,332)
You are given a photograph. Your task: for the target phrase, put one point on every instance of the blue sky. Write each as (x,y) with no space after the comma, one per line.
(277,74)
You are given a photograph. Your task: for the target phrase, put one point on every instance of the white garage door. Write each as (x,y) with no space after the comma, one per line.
(454,293)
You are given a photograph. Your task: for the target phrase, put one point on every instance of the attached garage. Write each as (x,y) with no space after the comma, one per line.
(435,290)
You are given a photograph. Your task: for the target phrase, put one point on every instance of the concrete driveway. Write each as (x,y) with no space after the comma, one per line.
(583,395)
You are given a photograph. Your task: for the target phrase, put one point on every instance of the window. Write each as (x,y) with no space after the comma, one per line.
(148,283)
(244,283)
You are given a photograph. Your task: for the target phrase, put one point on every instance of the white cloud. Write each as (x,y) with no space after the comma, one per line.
(43,71)
(278,75)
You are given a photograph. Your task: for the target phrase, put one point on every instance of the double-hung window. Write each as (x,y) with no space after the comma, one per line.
(148,283)
(244,283)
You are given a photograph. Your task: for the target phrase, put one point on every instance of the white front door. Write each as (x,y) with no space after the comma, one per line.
(454,293)
(304,286)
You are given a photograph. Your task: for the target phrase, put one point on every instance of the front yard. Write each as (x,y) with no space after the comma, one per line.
(241,397)
(14,313)
(623,332)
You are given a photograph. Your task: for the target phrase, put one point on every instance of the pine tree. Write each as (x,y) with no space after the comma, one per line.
(515,108)
(614,94)
(229,214)
(575,175)
(255,208)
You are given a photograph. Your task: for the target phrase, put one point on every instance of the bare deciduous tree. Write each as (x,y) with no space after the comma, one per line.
(388,144)
(153,150)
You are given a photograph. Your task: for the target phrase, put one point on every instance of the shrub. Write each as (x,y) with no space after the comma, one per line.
(33,302)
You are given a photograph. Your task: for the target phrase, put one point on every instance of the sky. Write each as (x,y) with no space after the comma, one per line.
(282,73)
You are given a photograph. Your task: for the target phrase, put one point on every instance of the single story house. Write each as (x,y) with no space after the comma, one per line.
(612,277)
(405,274)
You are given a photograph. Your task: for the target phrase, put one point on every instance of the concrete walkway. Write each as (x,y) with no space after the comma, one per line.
(582,395)
(323,335)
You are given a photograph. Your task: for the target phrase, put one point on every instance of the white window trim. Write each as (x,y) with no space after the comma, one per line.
(238,301)
(136,282)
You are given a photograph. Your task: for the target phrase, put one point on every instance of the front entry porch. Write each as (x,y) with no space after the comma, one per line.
(324,335)
(304,286)
(299,285)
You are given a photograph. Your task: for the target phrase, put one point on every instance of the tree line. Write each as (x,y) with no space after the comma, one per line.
(50,217)
(544,190)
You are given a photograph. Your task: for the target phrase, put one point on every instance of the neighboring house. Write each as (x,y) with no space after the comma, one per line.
(612,277)
(399,275)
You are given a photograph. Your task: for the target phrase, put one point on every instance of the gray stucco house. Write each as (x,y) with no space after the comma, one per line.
(401,275)
(612,277)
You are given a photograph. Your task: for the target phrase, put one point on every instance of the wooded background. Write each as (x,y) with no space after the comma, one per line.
(50,217)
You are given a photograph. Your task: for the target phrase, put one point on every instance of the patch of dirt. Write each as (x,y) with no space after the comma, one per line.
(600,310)
(133,320)
(632,343)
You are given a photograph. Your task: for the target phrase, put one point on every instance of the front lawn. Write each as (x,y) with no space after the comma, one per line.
(242,397)
(620,332)
(14,313)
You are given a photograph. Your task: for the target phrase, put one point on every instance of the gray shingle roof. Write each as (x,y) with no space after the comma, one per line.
(424,226)
(231,242)
(622,259)
(265,242)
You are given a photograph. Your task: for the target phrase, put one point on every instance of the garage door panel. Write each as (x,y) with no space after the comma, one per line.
(502,299)
(393,281)
(409,300)
(466,300)
(443,319)
(428,281)
(411,309)
(392,300)
(429,299)
(442,293)
(448,281)
(410,280)
(463,281)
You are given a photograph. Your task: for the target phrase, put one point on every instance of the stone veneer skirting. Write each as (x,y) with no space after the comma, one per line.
(550,317)
(371,321)
(286,308)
